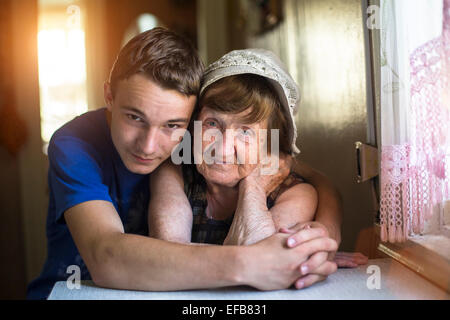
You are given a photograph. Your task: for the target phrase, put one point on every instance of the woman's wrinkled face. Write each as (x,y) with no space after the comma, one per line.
(230,148)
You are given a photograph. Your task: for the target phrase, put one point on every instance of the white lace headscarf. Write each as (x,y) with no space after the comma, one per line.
(266,64)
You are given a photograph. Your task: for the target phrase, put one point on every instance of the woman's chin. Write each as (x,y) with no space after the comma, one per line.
(223,181)
(226,178)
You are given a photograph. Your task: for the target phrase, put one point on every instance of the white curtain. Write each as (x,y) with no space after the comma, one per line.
(415,122)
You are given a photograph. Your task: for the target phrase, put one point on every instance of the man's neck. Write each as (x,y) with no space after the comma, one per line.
(108,116)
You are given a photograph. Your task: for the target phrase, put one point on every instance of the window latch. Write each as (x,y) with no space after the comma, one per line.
(366,161)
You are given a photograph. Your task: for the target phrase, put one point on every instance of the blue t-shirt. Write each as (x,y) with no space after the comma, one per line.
(84,166)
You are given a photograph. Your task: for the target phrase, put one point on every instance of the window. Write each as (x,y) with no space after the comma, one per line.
(62,64)
(143,22)
(415,117)
(415,135)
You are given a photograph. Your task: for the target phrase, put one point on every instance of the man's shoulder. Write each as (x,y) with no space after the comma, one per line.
(86,134)
(85,126)
(90,128)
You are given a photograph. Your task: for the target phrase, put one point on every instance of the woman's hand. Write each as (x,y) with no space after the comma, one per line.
(252,220)
(269,182)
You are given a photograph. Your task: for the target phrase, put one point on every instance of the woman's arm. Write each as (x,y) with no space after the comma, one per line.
(295,205)
(169,212)
(253,221)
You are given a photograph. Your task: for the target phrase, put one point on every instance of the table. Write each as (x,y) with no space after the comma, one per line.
(395,282)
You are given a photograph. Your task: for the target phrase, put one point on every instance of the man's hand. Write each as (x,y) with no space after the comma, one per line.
(294,231)
(320,264)
(314,270)
(271,265)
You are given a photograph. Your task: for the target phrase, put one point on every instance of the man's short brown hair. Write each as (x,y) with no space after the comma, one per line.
(167,58)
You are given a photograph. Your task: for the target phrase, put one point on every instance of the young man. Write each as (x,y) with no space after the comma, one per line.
(99,168)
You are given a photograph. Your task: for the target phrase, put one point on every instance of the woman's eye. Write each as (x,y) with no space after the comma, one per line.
(246,135)
(211,123)
(247,132)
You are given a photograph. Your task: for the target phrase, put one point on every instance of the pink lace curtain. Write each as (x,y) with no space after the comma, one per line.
(415,115)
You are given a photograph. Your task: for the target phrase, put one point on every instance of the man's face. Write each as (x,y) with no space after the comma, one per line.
(143,118)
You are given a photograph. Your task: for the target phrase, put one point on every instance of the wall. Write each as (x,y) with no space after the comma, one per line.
(32,161)
(12,268)
(106,23)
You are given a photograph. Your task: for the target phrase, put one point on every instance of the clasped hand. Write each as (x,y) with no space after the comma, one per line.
(322,263)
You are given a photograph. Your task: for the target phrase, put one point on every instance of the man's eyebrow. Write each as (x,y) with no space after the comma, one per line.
(142,115)
(135,110)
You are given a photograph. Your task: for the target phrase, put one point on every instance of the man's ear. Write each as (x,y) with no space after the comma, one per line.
(107,94)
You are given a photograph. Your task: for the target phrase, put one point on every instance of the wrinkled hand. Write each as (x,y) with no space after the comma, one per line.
(270,182)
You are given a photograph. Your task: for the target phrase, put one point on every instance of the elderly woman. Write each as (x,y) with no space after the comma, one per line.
(225,198)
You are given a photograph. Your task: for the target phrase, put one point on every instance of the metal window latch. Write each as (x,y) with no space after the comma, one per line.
(366,161)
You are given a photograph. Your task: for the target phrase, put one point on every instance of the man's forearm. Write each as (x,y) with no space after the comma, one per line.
(133,262)
(157,265)
(329,209)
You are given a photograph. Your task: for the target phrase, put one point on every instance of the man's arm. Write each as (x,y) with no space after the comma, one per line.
(169,211)
(127,261)
(329,209)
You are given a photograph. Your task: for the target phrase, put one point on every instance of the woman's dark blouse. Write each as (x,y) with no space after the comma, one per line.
(205,229)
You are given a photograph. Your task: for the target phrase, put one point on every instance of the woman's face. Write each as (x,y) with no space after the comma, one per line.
(230,148)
